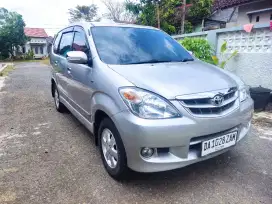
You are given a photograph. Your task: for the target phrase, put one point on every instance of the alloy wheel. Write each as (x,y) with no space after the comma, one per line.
(109,148)
(57,102)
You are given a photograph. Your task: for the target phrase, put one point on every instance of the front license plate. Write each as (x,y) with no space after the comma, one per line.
(218,143)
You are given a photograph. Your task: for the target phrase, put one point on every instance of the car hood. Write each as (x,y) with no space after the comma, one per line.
(175,79)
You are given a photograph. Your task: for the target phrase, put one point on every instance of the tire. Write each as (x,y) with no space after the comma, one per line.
(118,171)
(59,105)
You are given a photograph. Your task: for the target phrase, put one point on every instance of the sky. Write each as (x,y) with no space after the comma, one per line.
(49,14)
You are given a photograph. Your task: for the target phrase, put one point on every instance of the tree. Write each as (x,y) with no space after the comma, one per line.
(11,32)
(117,11)
(87,13)
(200,9)
(144,10)
(171,13)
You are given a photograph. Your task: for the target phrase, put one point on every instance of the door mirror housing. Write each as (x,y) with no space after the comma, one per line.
(77,57)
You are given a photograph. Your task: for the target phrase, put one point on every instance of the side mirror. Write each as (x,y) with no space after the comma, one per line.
(77,57)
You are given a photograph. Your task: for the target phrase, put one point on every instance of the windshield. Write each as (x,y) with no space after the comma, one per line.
(126,45)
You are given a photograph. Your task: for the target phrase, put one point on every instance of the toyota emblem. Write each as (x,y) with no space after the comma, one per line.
(217,100)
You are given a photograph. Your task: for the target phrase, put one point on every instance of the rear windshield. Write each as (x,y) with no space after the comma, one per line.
(126,45)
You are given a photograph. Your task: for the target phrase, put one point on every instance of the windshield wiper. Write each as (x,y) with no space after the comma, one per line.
(187,59)
(152,61)
(162,61)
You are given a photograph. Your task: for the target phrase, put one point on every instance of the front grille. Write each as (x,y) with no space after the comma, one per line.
(213,110)
(207,104)
(229,95)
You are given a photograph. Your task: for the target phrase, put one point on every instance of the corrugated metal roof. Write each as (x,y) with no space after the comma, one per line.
(222,4)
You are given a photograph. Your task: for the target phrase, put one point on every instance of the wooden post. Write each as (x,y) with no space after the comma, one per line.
(183,12)
(158,14)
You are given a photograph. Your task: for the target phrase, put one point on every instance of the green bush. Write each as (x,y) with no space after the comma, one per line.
(29,55)
(200,48)
(168,28)
(188,27)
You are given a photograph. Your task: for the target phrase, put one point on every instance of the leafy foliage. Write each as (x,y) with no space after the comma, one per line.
(146,13)
(29,55)
(11,32)
(223,63)
(170,13)
(188,27)
(200,9)
(87,13)
(200,47)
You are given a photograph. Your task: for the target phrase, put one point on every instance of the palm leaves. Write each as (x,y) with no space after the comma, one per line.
(87,13)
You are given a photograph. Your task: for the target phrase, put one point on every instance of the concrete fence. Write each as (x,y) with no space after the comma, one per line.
(254,60)
(2,67)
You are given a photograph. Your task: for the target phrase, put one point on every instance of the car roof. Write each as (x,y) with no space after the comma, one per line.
(108,24)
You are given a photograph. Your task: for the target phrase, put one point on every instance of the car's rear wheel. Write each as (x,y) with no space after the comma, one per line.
(59,106)
(112,150)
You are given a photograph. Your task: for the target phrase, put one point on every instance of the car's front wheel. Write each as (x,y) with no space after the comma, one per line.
(112,150)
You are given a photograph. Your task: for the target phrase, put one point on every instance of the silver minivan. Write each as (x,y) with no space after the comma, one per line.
(149,103)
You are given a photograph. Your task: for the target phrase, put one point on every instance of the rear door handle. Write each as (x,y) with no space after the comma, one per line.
(56,63)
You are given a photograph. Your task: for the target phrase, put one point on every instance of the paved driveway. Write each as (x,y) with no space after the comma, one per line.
(48,157)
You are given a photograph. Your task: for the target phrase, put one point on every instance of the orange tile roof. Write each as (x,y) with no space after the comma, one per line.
(35,32)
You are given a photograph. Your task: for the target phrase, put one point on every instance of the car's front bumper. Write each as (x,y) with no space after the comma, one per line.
(183,137)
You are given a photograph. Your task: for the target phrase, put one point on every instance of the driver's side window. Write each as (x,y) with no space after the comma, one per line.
(80,42)
(66,43)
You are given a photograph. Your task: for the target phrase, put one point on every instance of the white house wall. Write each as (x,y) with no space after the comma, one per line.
(243,18)
(254,60)
(37,42)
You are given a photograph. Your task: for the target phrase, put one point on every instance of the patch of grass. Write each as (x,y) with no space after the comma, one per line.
(7,70)
(45,61)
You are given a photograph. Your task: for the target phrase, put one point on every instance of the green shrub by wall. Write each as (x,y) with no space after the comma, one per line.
(200,48)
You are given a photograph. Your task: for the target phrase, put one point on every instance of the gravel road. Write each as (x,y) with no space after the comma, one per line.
(48,157)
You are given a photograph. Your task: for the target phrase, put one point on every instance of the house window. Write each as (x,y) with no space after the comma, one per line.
(271,17)
(41,50)
(23,49)
(36,50)
(257,18)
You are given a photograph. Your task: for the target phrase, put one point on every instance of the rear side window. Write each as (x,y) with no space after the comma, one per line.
(56,43)
(80,42)
(66,43)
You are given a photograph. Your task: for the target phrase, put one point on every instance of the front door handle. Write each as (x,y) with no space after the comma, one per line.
(69,70)
(56,63)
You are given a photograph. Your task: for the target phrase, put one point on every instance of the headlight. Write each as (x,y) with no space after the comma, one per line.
(147,105)
(244,93)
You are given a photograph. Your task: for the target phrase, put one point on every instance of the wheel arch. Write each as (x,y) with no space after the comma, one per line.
(102,106)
